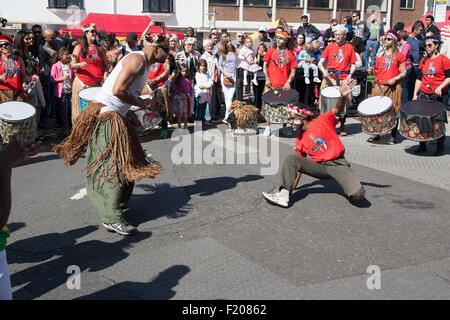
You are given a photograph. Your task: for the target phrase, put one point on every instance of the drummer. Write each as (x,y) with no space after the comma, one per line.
(318,139)
(433,81)
(389,70)
(279,68)
(341,59)
(12,73)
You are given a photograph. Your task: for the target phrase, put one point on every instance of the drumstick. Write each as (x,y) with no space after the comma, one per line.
(429,87)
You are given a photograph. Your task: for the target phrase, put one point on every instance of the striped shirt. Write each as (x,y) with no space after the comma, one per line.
(445,33)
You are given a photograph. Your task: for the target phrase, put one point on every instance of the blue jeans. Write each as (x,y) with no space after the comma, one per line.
(374,44)
(405,85)
(211,107)
(200,110)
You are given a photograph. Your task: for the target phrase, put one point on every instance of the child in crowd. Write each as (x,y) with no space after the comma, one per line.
(184,93)
(316,50)
(248,60)
(305,60)
(62,76)
(202,90)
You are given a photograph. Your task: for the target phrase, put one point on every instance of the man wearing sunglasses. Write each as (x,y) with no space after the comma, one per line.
(318,140)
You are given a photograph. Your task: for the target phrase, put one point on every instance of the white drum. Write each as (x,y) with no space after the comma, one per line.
(377,115)
(17,119)
(86,96)
(330,97)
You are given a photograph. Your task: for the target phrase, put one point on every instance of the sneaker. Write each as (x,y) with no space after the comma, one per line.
(276,199)
(225,121)
(245,82)
(267,132)
(255,82)
(307,80)
(316,80)
(123,228)
(163,134)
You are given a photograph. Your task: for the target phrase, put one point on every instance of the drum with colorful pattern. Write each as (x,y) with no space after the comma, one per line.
(423,120)
(17,119)
(377,115)
(143,119)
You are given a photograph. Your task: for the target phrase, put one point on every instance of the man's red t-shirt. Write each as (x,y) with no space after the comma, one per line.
(320,141)
(387,67)
(156,70)
(339,58)
(433,73)
(279,67)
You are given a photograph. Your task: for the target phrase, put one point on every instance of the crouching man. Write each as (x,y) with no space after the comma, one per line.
(317,139)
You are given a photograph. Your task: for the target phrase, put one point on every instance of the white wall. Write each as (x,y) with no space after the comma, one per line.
(187,12)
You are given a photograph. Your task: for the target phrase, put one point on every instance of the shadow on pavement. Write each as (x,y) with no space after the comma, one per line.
(92,255)
(172,201)
(160,288)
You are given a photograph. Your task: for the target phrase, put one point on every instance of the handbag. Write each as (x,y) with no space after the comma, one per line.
(228,82)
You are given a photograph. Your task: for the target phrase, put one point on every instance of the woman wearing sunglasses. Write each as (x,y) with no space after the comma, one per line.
(433,81)
(91,65)
(12,73)
(389,70)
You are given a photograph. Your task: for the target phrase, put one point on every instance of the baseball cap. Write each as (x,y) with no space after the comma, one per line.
(262,28)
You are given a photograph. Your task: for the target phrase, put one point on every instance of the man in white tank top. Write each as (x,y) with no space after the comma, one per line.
(114,162)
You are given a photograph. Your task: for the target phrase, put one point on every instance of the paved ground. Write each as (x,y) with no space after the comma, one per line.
(207,233)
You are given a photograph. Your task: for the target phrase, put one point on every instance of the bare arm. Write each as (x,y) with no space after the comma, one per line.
(322,69)
(75,55)
(266,74)
(287,85)
(346,89)
(416,89)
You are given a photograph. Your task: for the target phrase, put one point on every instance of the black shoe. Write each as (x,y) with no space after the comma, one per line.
(123,228)
(421,149)
(439,152)
(392,141)
(373,138)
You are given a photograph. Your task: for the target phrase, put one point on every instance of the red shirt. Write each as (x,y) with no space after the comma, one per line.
(13,69)
(93,73)
(387,67)
(321,141)
(433,73)
(156,70)
(279,65)
(340,58)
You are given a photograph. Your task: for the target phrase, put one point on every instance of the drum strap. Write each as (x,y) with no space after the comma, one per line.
(6,94)
(14,98)
(383,91)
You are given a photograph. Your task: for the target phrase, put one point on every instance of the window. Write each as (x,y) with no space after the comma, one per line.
(406,4)
(264,3)
(379,4)
(290,3)
(64,4)
(158,6)
(348,4)
(223,2)
(323,4)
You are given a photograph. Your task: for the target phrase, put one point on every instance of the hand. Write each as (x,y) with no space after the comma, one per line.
(83,65)
(415,97)
(392,81)
(438,91)
(268,83)
(346,86)
(287,86)
(66,77)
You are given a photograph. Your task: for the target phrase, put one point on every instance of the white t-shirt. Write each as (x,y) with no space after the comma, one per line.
(67,84)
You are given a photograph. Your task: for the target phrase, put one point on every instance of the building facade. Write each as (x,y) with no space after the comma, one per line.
(235,15)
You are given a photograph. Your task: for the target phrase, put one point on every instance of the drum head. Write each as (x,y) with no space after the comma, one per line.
(285,97)
(374,105)
(331,92)
(14,111)
(422,108)
(89,94)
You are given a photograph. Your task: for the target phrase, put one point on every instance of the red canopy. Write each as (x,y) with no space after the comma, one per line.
(439,24)
(120,24)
